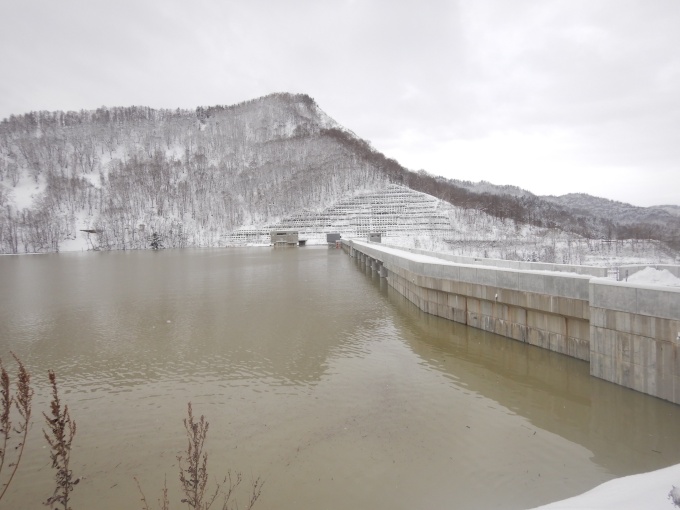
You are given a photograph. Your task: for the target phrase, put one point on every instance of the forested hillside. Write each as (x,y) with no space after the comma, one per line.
(120,175)
(589,216)
(190,176)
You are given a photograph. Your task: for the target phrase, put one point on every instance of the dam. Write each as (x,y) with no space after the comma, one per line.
(628,333)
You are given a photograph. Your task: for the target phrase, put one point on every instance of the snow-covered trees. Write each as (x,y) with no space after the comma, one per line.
(193,176)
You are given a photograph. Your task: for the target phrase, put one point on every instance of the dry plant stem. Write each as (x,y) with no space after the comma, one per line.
(60,436)
(193,475)
(163,502)
(139,488)
(5,408)
(22,403)
(233,483)
(257,490)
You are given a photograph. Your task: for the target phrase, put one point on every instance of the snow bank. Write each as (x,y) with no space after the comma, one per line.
(647,491)
(25,192)
(77,244)
(651,276)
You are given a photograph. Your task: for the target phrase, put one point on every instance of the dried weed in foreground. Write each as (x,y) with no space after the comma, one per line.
(60,436)
(13,437)
(163,504)
(193,475)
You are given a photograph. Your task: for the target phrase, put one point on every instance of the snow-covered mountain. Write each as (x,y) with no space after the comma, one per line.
(612,210)
(671,209)
(493,189)
(589,216)
(123,173)
(114,177)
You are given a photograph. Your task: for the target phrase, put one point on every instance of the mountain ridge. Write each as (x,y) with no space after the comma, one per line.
(195,175)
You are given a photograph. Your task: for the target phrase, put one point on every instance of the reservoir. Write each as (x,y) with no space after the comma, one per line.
(314,375)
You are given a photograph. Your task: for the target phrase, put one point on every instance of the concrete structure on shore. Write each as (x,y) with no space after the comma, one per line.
(284,238)
(630,334)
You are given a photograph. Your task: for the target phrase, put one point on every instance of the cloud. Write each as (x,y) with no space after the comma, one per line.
(440,85)
(553,89)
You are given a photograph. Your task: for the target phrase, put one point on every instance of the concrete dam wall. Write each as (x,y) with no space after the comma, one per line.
(630,334)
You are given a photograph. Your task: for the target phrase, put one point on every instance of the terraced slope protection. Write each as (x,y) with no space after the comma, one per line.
(394,211)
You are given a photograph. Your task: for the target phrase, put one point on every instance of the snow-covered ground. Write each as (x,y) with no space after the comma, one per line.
(647,491)
(77,244)
(651,276)
(23,195)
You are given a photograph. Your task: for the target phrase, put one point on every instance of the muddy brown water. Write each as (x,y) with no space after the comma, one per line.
(314,375)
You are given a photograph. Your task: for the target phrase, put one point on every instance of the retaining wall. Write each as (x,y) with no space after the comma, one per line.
(635,337)
(628,333)
(545,309)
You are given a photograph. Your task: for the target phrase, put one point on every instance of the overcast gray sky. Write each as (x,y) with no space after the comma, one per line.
(554,96)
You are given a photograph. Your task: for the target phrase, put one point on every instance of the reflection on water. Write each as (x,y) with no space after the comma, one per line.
(314,374)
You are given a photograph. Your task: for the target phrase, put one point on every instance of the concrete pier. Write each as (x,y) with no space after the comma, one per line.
(629,334)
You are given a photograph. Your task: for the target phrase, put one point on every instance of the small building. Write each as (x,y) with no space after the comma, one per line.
(332,238)
(374,237)
(284,237)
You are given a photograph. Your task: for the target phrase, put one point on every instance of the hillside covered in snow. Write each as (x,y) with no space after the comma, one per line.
(114,177)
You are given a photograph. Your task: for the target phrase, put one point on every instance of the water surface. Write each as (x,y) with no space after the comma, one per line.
(313,374)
